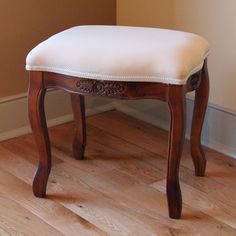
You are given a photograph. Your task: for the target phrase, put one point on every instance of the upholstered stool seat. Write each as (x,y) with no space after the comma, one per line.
(121,54)
(124,63)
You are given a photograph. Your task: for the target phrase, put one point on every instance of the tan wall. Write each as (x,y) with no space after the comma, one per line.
(24,23)
(214,19)
(145,13)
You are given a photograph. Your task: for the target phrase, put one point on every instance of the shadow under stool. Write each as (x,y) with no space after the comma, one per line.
(123,63)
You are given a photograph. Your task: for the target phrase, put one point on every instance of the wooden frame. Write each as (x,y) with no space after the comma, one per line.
(174,95)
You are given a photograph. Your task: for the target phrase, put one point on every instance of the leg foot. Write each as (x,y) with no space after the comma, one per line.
(39,128)
(200,105)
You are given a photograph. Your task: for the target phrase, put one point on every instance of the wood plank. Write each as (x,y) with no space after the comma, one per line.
(119,189)
(131,131)
(105,215)
(48,210)
(202,202)
(26,149)
(220,168)
(144,204)
(15,220)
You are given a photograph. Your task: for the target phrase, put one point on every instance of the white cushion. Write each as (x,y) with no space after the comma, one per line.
(121,53)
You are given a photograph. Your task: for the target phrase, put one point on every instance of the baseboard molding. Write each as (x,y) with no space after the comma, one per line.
(14,116)
(218,130)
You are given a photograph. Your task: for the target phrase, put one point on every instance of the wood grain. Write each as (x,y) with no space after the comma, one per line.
(113,194)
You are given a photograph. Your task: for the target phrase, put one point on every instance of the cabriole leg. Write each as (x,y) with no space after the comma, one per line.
(37,119)
(79,141)
(200,106)
(177,106)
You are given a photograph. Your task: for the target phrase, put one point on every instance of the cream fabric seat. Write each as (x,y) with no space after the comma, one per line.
(121,53)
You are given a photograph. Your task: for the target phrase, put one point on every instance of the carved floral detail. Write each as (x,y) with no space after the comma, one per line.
(107,88)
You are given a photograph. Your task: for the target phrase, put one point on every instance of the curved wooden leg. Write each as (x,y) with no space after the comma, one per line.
(200,105)
(79,141)
(177,105)
(39,127)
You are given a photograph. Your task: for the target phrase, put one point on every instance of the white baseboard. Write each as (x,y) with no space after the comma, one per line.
(14,116)
(218,130)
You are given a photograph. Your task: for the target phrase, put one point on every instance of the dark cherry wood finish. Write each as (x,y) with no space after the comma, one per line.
(200,105)
(174,95)
(177,107)
(39,127)
(79,141)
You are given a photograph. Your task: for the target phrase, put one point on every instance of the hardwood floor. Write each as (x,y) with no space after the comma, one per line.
(119,189)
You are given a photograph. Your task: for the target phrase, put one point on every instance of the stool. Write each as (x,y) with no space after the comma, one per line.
(124,63)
